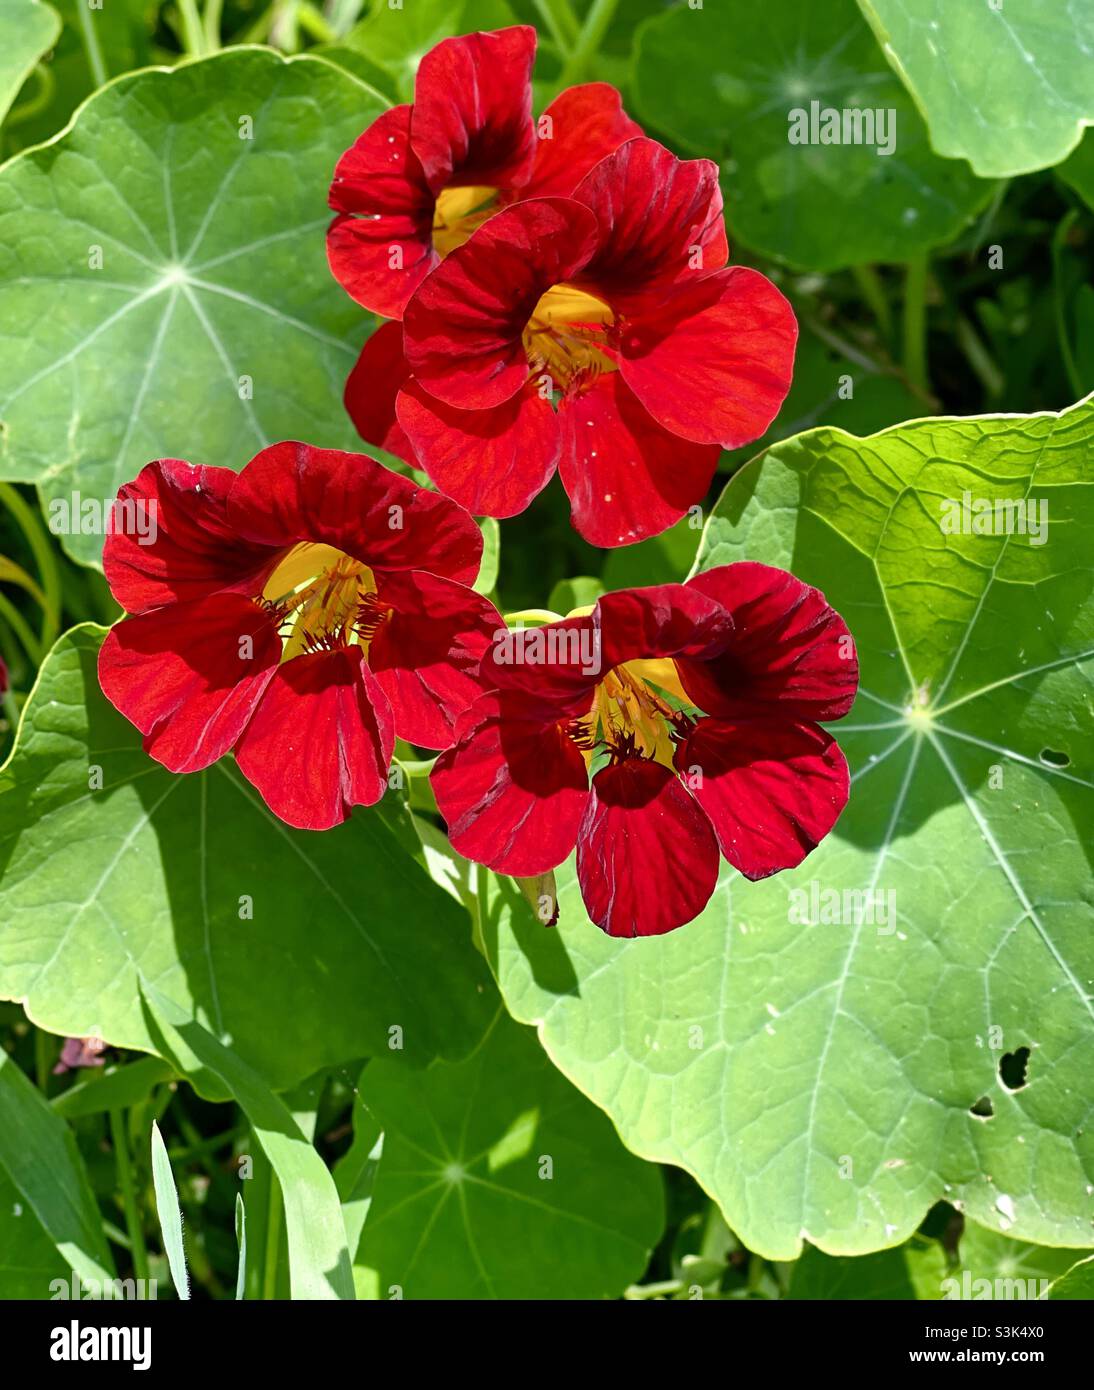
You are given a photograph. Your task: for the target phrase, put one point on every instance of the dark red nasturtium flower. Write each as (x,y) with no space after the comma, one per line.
(602,334)
(421,178)
(3,677)
(696,708)
(304,612)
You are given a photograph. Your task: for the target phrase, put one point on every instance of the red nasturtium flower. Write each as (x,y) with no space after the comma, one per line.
(695,706)
(421,178)
(304,613)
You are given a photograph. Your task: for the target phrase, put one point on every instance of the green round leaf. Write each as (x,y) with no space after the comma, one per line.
(163,281)
(832,1079)
(723,81)
(497,1180)
(304,950)
(1009,87)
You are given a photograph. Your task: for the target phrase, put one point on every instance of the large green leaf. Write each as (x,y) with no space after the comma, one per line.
(53,1201)
(27,30)
(213,325)
(1009,87)
(319,1261)
(833,1081)
(1077,1283)
(722,80)
(304,949)
(497,1180)
(913,1270)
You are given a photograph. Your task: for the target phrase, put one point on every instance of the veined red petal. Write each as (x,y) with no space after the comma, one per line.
(713,358)
(293,492)
(193,549)
(586,124)
(472,115)
(626,476)
(772,789)
(790,653)
(320,741)
(647,859)
(464,326)
(427,650)
(190,675)
(381,247)
(376,380)
(660,218)
(493,461)
(513,787)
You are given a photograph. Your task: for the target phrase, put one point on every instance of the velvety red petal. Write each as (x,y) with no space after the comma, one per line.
(372,387)
(790,651)
(190,675)
(293,492)
(426,653)
(647,859)
(626,476)
(712,361)
(381,247)
(660,218)
(772,789)
(464,326)
(194,549)
(3,677)
(513,787)
(586,124)
(494,461)
(472,117)
(320,741)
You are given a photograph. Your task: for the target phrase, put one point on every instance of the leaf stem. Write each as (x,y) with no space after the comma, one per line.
(44,557)
(19,626)
(192,35)
(561,24)
(873,291)
(211,25)
(915,322)
(532,615)
(129,1195)
(600,16)
(94,53)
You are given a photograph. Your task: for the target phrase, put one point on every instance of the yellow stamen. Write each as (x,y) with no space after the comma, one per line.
(566,333)
(458,211)
(320,590)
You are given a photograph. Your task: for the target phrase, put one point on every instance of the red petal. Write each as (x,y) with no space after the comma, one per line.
(320,741)
(185,676)
(293,492)
(426,653)
(660,218)
(380,180)
(493,462)
(791,652)
(647,860)
(196,551)
(375,382)
(463,327)
(713,360)
(513,787)
(472,118)
(627,478)
(772,789)
(587,124)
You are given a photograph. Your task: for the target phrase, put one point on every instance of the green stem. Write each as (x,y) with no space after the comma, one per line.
(915,322)
(44,557)
(36,104)
(417,768)
(11,710)
(211,25)
(1070,365)
(129,1195)
(273,1240)
(532,615)
(561,24)
(19,626)
(600,16)
(43,1062)
(192,35)
(980,359)
(873,291)
(314,23)
(91,46)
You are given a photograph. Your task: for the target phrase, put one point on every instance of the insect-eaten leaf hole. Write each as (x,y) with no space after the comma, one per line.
(1012,1068)
(1052,757)
(982,1108)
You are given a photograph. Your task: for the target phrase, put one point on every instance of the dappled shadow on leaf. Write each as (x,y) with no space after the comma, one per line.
(542,947)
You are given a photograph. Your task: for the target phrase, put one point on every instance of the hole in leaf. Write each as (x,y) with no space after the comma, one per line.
(1012,1068)
(982,1108)
(1052,757)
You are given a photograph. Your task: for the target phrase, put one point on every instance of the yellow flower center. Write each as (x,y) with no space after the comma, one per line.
(324,600)
(629,709)
(456,214)
(566,335)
